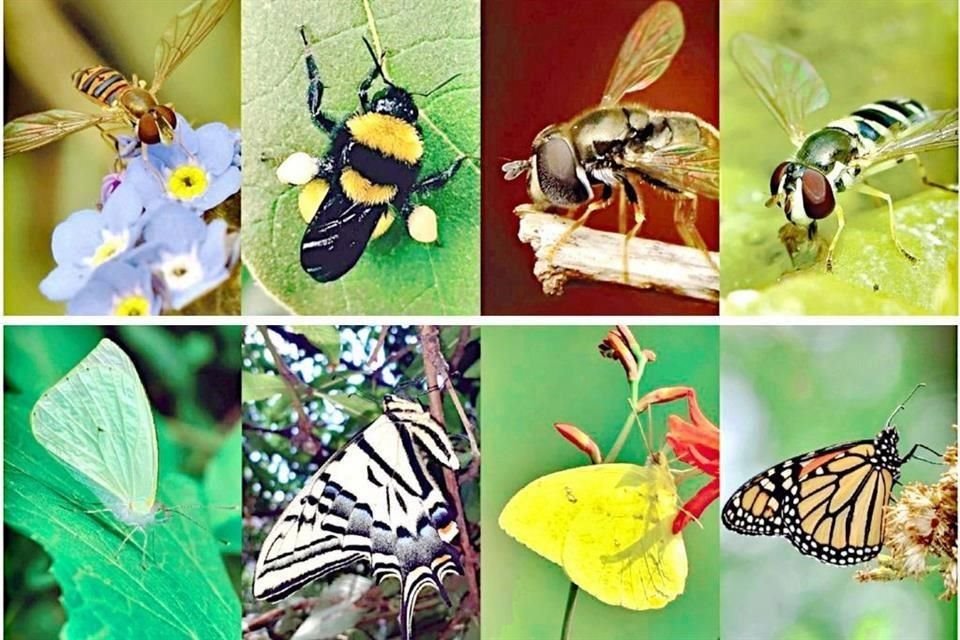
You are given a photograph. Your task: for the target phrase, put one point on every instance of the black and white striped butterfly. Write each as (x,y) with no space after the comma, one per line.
(373,501)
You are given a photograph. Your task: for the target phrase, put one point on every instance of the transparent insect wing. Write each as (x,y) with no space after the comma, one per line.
(692,167)
(646,52)
(98,420)
(938,132)
(187,30)
(38,129)
(783,79)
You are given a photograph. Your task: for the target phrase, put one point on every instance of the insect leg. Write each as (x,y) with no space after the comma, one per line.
(437,180)
(913,454)
(867,190)
(639,217)
(685,219)
(579,222)
(362,91)
(315,89)
(922,170)
(841,223)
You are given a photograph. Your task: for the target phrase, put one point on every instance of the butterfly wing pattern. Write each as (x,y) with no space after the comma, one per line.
(828,503)
(373,501)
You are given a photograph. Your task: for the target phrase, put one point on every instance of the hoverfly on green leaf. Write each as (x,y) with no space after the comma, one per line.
(872,139)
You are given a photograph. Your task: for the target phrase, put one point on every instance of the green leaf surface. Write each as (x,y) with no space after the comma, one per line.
(260,386)
(324,337)
(222,484)
(427,41)
(870,276)
(179,589)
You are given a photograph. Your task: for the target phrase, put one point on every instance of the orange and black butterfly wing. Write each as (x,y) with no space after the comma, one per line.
(828,503)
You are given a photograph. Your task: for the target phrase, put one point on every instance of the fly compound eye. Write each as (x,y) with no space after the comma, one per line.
(818,198)
(777,178)
(166,114)
(148,130)
(557,172)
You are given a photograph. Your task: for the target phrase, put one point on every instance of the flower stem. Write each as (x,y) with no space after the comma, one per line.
(568,612)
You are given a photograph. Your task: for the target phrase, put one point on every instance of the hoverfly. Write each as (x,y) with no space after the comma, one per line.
(872,139)
(127,103)
(618,145)
(373,163)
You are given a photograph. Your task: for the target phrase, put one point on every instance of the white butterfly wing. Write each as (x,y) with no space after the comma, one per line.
(98,420)
(373,501)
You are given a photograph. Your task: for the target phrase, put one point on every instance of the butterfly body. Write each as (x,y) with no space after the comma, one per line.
(828,503)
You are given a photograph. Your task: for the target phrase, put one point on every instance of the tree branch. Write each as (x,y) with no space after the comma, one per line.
(304,438)
(592,255)
(430,343)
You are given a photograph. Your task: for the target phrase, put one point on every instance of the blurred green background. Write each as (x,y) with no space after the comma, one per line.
(340,377)
(789,390)
(191,377)
(536,376)
(45,41)
(864,50)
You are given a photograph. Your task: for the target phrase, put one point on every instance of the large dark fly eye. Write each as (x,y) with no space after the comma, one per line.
(557,173)
(167,115)
(818,199)
(777,177)
(147,129)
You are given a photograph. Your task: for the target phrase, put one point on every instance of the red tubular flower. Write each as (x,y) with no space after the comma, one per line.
(696,443)
(580,440)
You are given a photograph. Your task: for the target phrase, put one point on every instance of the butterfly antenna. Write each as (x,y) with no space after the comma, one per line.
(903,405)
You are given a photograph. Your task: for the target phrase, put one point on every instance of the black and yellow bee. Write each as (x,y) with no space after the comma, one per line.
(373,163)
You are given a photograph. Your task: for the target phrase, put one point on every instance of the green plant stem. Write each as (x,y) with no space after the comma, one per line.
(568,612)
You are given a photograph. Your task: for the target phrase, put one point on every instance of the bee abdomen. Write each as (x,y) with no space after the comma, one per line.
(100,83)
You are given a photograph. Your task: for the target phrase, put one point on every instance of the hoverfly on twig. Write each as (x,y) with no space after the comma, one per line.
(124,103)
(616,146)
(872,139)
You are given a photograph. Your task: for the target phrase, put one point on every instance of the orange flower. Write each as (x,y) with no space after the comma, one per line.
(580,440)
(619,344)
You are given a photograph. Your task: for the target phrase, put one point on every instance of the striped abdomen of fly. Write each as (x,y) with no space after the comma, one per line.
(153,122)
(838,154)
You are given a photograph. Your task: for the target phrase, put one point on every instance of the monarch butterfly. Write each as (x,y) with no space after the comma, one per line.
(828,503)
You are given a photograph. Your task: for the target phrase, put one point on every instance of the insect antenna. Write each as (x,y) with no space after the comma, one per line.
(903,404)
(438,87)
(377,61)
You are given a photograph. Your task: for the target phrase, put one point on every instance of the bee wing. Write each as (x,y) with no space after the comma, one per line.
(187,30)
(337,236)
(783,79)
(37,129)
(692,167)
(646,52)
(939,131)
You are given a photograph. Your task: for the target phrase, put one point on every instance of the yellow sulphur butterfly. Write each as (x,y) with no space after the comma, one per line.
(609,527)
(98,421)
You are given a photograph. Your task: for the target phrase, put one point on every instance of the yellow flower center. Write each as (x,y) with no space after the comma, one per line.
(133,305)
(112,245)
(187,182)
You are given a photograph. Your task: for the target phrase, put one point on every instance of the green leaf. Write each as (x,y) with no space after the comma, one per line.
(870,277)
(182,591)
(426,43)
(31,366)
(326,338)
(260,386)
(222,492)
(353,405)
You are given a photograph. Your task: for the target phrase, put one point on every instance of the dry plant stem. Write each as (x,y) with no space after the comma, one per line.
(377,348)
(593,255)
(304,437)
(430,343)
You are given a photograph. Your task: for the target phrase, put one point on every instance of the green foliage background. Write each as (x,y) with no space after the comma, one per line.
(540,375)
(65,572)
(341,394)
(788,390)
(427,41)
(864,50)
(45,42)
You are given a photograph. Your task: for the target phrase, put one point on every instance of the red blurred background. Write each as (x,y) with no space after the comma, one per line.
(544,62)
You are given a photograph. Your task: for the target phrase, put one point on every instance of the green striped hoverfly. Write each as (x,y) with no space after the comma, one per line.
(872,139)
(126,103)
